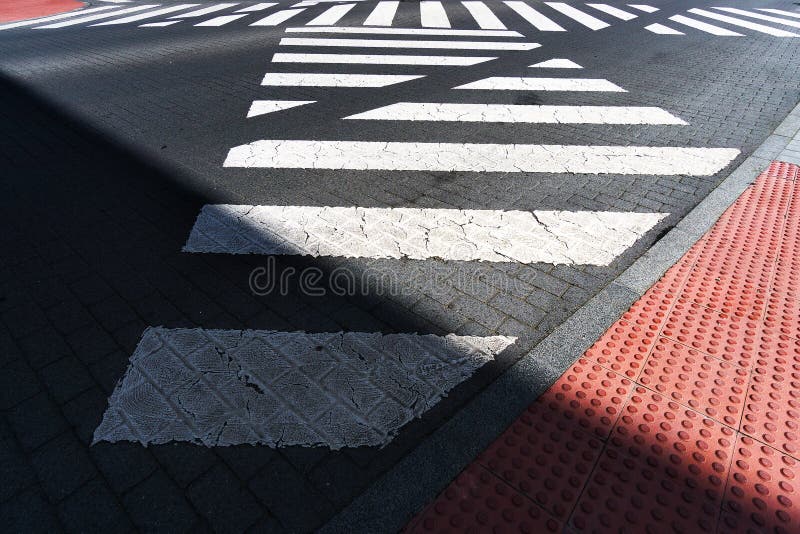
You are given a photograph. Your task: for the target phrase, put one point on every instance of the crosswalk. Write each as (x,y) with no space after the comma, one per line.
(720,22)
(351,389)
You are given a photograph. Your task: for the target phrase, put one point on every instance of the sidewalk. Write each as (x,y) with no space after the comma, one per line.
(684,413)
(29,9)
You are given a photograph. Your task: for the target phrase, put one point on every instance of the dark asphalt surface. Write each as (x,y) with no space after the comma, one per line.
(112,139)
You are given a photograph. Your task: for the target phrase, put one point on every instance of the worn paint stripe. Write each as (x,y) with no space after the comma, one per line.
(613,11)
(148,15)
(339,389)
(775,32)
(472,157)
(536,19)
(380,59)
(221,21)
(593,23)
(662,30)
(262,107)
(278,17)
(433,15)
(704,26)
(389,43)
(483,16)
(644,7)
(785,22)
(557,63)
(331,15)
(413,111)
(96,16)
(405,31)
(496,83)
(61,16)
(557,237)
(305,79)
(383,14)
(203,11)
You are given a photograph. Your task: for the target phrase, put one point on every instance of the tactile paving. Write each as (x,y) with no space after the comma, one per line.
(623,348)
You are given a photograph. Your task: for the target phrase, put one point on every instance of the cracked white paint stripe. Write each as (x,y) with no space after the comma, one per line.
(557,63)
(278,17)
(557,237)
(62,16)
(262,107)
(483,15)
(304,79)
(536,19)
(203,11)
(413,111)
(390,43)
(331,15)
(593,23)
(775,32)
(433,15)
(704,27)
(148,15)
(377,59)
(404,31)
(613,11)
(662,30)
(496,83)
(96,16)
(644,7)
(785,22)
(471,157)
(339,389)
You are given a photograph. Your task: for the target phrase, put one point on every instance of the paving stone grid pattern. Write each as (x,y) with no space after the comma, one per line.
(683,413)
(96,260)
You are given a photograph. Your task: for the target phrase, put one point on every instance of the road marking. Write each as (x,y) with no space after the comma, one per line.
(305,79)
(148,15)
(277,17)
(557,63)
(256,7)
(338,389)
(662,30)
(781,12)
(593,23)
(161,24)
(262,107)
(644,7)
(704,27)
(373,59)
(432,14)
(483,15)
(536,19)
(502,83)
(221,21)
(555,237)
(775,32)
(98,16)
(413,111)
(792,23)
(383,14)
(472,157)
(331,15)
(204,11)
(613,11)
(309,3)
(388,43)
(406,31)
(55,17)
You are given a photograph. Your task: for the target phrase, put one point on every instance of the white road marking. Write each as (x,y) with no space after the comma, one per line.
(161,24)
(536,19)
(61,16)
(331,15)
(472,157)
(388,43)
(383,14)
(262,107)
(593,23)
(99,16)
(338,389)
(305,79)
(204,11)
(148,15)
(644,7)
(775,32)
(557,63)
(413,111)
(613,11)
(781,12)
(785,22)
(374,59)
(483,15)
(309,3)
(256,7)
(704,27)
(406,31)
(222,20)
(662,30)
(501,83)
(556,237)
(432,15)
(277,17)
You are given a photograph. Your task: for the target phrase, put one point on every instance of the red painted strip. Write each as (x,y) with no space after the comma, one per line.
(15,10)
(683,416)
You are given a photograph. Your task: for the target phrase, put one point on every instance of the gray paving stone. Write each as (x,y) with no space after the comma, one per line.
(62,466)
(93,508)
(227,506)
(157,504)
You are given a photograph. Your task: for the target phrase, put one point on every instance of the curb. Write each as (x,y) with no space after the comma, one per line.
(422,474)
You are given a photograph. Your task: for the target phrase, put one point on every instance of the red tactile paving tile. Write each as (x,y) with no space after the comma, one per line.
(684,416)
(15,10)
(763,492)
(478,502)
(711,386)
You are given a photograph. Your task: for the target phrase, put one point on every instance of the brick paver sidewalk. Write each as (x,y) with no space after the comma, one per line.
(15,10)
(683,416)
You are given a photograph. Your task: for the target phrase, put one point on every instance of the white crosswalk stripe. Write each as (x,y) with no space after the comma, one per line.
(557,63)
(785,22)
(97,16)
(704,26)
(278,17)
(148,15)
(432,14)
(305,79)
(613,11)
(483,16)
(662,30)
(383,14)
(781,12)
(644,7)
(263,107)
(256,7)
(502,83)
(404,31)
(204,11)
(222,20)
(389,43)
(23,23)
(374,59)
(593,23)
(776,32)
(537,20)
(331,15)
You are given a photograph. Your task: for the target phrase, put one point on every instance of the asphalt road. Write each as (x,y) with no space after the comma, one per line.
(115,137)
